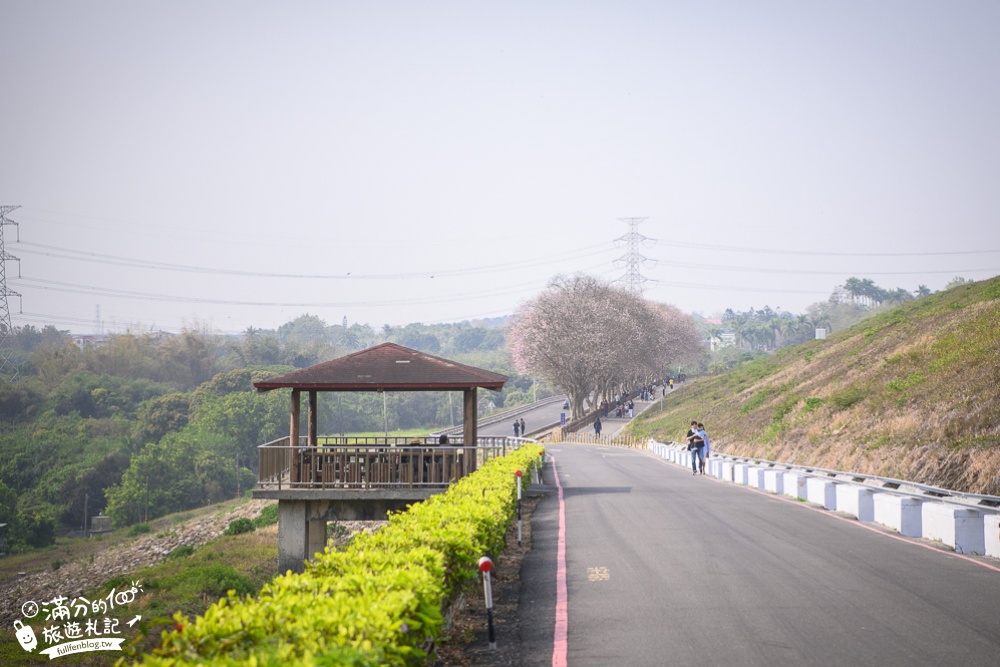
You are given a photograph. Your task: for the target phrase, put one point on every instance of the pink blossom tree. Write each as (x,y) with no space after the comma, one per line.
(594,340)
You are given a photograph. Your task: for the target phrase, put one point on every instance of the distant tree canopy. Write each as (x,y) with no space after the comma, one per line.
(766,330)
(87,425)
(592,340)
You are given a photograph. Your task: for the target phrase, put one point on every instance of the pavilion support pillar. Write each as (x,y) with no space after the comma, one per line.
(293,438)
(470,428)
(301,534)
(312,432)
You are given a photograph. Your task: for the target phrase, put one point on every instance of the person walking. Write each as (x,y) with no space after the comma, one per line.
(706,446)
(696,447)
(524,429)
(517,429)
(597,427)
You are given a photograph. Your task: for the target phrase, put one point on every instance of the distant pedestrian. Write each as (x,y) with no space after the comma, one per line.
(706,446)
(597,427)
(517,429)
(696,447)
(524,429)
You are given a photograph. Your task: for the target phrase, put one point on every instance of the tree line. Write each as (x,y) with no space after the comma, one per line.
(146,424)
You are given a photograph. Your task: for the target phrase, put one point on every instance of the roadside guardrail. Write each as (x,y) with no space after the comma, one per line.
(967,522)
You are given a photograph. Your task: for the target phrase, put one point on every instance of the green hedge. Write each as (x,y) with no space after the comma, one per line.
(379,602)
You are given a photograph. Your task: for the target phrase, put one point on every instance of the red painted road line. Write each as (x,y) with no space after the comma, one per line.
(562,604)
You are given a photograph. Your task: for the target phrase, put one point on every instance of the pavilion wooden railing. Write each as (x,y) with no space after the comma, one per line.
(373,462)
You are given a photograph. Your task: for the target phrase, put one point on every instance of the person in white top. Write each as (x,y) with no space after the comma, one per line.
(705,445)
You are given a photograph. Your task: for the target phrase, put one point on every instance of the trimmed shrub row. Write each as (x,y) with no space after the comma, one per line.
(378,602)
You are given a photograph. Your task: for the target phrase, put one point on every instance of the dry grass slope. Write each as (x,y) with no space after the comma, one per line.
(913,393)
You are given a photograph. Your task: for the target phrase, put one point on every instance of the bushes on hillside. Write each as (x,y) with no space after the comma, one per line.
(378,602)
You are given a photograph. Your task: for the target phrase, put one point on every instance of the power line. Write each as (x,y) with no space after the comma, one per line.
(70,288)
(114,260)
(767,251)
(722,267)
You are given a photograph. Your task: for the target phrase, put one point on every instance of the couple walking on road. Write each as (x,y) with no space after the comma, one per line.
(699,446)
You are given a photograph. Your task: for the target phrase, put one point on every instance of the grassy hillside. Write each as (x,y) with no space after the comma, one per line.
(913,393)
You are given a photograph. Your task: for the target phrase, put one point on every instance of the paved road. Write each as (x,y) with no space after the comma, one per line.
(542,415)
(664,568)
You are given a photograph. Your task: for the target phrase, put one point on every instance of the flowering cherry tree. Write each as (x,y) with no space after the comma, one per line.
(593,340)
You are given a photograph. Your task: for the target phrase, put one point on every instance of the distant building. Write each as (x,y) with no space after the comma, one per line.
(85,342)
(725,338)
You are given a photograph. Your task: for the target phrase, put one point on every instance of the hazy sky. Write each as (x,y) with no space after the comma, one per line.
(235,164)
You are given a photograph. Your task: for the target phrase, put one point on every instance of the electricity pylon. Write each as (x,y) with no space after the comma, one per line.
(634,281)
(8,369)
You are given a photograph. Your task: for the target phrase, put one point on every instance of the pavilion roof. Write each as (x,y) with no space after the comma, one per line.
(386,367)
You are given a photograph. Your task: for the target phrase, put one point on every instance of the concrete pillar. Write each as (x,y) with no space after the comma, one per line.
(794,485)
(316,537)
(774,481)
(899,512)
(822,491)
(958,527)
(740,473)
(293,535)
(857,501)
(991,531)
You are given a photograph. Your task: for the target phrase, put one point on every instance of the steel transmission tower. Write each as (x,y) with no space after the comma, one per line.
(8,369)
(632,259)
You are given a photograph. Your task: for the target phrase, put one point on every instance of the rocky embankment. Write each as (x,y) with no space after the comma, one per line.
(75,577)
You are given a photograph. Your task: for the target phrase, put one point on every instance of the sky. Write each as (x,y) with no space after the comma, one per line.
(221,165)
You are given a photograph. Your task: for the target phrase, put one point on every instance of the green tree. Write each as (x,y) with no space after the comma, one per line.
(161,479)
(84,490)
(232,418)
(188,359)
(956,282)
(161,415)
(8,503)
(31,529)
(20,401)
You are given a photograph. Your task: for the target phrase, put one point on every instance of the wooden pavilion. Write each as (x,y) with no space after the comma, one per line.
(328,478)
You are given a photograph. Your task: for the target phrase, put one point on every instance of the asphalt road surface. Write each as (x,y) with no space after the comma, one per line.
(666,568)
(543,415)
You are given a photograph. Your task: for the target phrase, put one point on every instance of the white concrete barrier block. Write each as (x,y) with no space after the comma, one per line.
(991,534)
(795,485)
(901,513)
(774,481)
(857,501)
(726,470)
(740,472)
(822,491)
(958,527)
(757,478)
